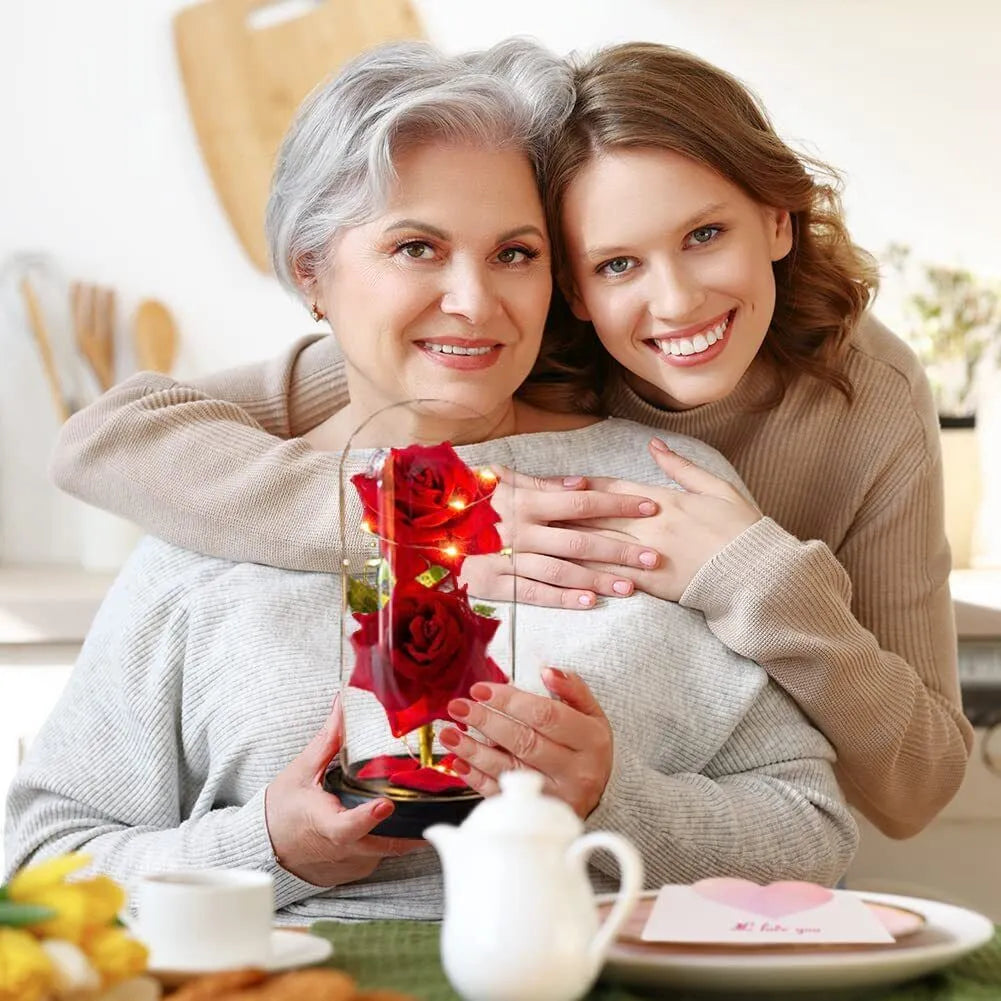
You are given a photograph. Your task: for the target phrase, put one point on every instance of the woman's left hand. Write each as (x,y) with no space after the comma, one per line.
(689,529)
(567,738)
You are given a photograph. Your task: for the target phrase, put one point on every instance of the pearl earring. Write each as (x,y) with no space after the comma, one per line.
(315,313)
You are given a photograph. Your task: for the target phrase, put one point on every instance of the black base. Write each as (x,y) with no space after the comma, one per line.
(413,813)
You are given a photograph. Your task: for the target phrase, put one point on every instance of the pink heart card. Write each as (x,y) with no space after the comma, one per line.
(736,912)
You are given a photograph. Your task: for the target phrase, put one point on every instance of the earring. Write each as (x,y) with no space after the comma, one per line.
(315,313)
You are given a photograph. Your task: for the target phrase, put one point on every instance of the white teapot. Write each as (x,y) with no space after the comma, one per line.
(521,922)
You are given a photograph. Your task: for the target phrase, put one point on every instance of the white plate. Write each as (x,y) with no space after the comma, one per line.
(949,933)
(289,949)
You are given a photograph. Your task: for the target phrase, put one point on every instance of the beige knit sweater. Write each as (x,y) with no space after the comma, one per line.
(201,678)
(841,592)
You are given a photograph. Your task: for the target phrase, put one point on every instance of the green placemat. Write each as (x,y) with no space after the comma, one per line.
(403,955)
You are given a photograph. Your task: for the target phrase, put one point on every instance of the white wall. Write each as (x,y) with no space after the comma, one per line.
(101,167)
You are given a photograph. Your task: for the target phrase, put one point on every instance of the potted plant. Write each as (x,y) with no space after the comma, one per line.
(952,320)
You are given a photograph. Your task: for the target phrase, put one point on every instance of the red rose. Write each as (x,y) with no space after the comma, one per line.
(422,649)
(429,508)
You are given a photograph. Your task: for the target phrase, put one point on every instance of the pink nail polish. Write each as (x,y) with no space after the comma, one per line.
(587,600)
(622,587)
(648,507)
(572,481)
(480,692)
(459,707)
(460,767)
(450,738)
(648,559)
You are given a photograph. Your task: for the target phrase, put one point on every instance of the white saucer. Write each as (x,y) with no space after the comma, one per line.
(949,932)
(289,949)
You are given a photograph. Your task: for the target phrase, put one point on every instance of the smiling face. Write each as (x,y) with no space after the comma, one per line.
(673,265)
(444,295)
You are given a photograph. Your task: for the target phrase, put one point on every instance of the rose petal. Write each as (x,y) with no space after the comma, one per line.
(382,766)
(427,780)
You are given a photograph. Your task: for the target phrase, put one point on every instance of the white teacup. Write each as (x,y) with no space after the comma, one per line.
(205,919)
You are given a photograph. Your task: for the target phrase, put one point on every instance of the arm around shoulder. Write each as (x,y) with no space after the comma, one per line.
(206,468)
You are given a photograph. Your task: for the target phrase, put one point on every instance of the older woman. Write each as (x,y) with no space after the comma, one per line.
(405,208)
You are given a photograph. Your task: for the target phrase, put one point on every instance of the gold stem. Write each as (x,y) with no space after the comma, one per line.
(425,736)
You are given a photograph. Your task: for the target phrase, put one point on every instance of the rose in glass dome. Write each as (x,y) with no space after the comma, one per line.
(423,648)
(429,508)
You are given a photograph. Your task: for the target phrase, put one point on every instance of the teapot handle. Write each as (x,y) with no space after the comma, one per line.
(630,884)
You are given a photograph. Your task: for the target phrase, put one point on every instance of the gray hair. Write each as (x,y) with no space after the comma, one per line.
(335,164)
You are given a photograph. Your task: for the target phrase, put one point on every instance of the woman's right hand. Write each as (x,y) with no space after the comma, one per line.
(548,553)
(312,834)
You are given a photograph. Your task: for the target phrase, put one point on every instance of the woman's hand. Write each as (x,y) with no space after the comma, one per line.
(547,568)
(689,529)
(313,836)
(566,738)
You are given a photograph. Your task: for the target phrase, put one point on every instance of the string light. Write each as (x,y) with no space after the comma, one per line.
(457,504)
(451,551)
(487,475)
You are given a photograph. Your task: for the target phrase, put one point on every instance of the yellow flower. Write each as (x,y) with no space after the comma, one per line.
(79,904)
(114,954)
(43,875)
(26,973)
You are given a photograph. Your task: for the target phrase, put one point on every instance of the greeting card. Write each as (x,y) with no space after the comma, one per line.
(738,912)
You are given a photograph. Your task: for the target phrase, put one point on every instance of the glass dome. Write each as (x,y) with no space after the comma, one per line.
(412,636)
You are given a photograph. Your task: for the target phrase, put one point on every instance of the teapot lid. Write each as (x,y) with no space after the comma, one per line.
(522,809)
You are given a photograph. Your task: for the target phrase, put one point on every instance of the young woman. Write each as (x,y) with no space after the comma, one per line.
(406,207)
(717,294)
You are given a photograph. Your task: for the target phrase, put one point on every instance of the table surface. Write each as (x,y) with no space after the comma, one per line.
(403,956)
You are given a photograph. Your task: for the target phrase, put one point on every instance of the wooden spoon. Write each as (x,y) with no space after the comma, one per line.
(154,334)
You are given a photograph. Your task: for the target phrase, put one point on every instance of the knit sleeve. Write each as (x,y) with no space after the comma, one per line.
(200,465)
(874,665)
(767,806)
(104,774)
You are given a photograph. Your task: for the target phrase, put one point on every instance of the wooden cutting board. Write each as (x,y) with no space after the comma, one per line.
(247,65)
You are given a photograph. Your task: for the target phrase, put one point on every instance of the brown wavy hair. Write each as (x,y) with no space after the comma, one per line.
(641,96)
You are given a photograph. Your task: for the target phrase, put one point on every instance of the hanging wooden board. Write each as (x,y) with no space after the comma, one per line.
(247,65)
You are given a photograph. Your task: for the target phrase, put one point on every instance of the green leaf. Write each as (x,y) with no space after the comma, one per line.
(362,597)
(14,915)
(432,575)
(486,611)
(3,892)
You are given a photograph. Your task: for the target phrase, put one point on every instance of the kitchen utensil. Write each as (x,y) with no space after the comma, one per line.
(246,67)
(154,335)
(34,304)
(93,329)
(41,335)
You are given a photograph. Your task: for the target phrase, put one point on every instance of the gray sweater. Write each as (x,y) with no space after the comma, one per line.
(202,678)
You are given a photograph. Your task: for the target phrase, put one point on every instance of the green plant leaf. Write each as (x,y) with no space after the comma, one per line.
(486,611)
(3,892)
(14,915)
(362,597)
(432,575)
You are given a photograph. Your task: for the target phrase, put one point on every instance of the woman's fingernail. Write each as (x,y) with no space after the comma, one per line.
(557,673)
(458,707)
(658,445)
(460,767)
(572,481)
(450,738)
(382,808)
(648,507)
(481,692)
(648,558)
(622,587)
